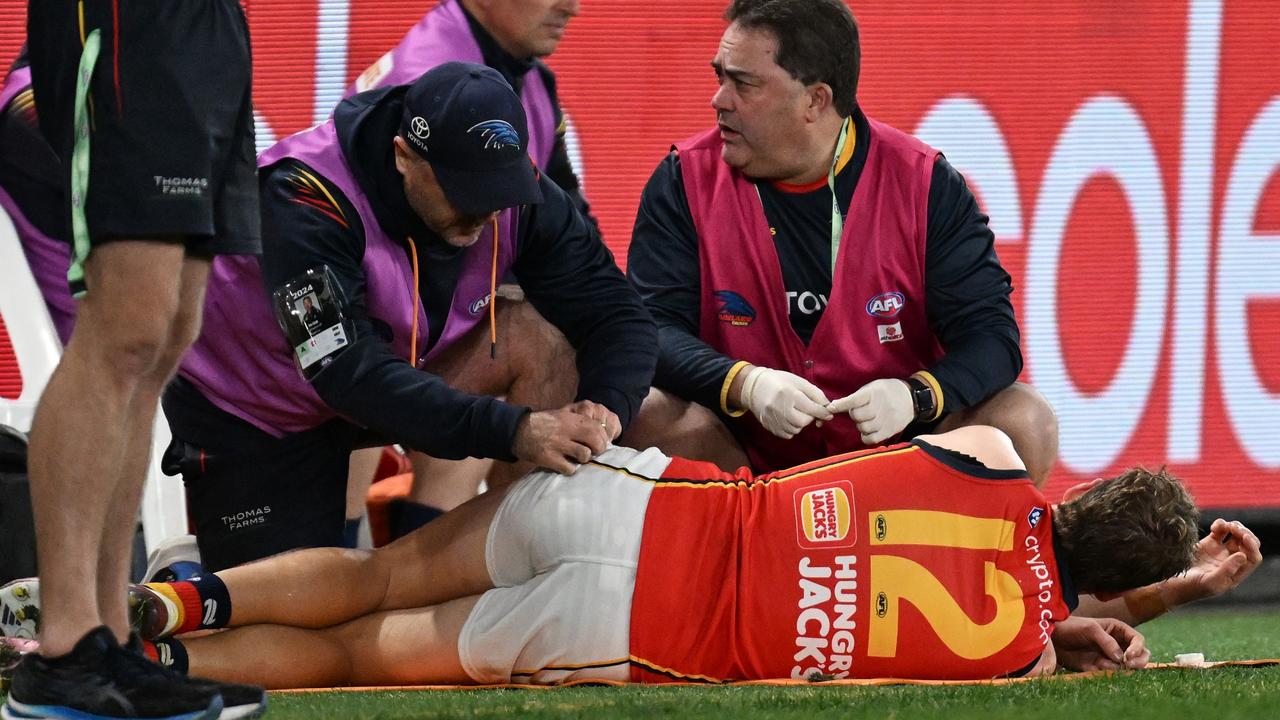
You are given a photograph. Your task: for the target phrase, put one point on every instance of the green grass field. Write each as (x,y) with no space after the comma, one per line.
(1220,694)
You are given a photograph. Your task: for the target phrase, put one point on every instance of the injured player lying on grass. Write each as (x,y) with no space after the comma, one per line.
(931,559)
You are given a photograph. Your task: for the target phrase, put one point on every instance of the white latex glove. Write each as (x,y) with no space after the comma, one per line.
(783,403)
(881,408)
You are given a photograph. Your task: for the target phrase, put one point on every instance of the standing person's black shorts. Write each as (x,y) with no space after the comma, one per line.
(169,152)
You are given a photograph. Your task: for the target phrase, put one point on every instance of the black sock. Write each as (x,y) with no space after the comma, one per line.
(170,653)
(204,600)
(351,532)
(407,516)
(215,601)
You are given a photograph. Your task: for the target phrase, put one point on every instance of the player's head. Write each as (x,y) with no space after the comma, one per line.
(786,68)
(462,150)
(1128,531)
(525,28)
(306,303)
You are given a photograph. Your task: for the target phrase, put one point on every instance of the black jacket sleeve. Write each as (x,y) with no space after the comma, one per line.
(572,279)
(663,266)
(307,223)
(967,296)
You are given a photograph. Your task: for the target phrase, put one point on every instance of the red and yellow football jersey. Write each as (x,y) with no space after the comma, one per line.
(906,561)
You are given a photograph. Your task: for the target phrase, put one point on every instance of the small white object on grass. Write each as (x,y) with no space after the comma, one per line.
(1189,660)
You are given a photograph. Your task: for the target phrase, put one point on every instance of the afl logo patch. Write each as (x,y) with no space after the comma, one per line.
(886,305)
(479,304)
(824,516)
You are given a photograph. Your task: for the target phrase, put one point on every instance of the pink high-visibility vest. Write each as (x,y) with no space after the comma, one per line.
(874,325)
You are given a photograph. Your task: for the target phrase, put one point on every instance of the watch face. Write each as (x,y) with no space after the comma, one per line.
(924,395)
(923,398)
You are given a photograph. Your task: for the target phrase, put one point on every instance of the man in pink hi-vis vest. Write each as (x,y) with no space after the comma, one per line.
(821,281)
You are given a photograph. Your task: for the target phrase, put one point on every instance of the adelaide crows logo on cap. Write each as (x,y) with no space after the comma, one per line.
(734,309)
(497,134)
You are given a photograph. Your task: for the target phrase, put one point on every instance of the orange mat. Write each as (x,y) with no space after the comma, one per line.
(867,682)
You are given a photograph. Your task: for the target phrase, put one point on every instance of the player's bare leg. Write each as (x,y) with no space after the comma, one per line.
(1026,417)
(401,647)
(320,587)
(680,428)
(534,367)
(81,450)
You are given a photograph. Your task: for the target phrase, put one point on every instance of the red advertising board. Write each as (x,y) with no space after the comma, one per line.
(1127,154)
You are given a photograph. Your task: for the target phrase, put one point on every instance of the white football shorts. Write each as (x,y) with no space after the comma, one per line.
(562,554)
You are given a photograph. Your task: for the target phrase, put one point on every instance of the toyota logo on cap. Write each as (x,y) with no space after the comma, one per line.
(420,127)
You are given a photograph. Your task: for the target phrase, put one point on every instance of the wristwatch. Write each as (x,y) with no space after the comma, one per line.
(922,399)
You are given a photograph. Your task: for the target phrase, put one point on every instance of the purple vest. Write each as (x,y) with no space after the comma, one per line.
(47,257)
(242,362)
(443,35)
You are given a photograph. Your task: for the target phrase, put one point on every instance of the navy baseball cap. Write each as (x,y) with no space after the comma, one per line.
(468,123)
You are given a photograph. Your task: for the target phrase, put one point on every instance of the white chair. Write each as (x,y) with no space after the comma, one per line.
(35,351)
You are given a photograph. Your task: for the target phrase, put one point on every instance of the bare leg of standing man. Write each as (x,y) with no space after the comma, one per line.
(81,434)
(140,421)
(160,179)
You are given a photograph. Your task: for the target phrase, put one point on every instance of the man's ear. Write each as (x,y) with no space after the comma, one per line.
(402,154)
(1076,491)
(820,100)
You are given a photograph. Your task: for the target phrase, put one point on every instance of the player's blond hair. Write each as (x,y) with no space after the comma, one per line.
(1132,530)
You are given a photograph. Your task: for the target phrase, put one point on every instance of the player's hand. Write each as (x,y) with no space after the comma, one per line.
(881,408)
(559,440)
(601,414)
(783,403)
(1224,558)
(1099,644)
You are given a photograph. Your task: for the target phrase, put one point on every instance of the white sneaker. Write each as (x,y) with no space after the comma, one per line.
(150,613)
(20,609)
